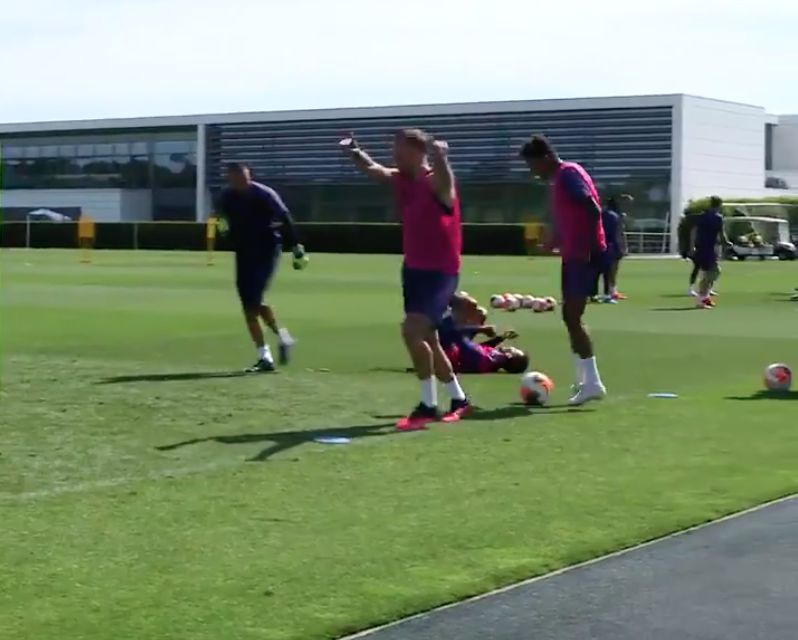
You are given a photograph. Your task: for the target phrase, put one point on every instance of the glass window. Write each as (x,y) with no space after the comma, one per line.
(121,149)
(85,150)
(49,151)
(12,152)
(103,149)
(66,151)
(138,148)
(32,151)
(173,146)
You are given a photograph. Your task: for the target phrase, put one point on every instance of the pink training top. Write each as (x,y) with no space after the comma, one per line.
(475,358)
(577,232)
(431,234)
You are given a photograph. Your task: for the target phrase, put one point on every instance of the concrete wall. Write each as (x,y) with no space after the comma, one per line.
(104,205)
(722,150)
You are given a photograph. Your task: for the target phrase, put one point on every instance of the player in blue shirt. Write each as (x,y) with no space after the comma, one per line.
(707,233)
(612,219)
(258,221)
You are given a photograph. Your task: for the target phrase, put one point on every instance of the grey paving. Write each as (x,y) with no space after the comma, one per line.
(734,580)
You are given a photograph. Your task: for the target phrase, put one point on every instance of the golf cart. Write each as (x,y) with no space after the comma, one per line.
(758,237)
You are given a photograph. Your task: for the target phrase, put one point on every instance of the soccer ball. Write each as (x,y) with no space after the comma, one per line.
(535,388)
(539,305)
(778,377)
(497,301)
(527,302)
(513,303)
(551,303)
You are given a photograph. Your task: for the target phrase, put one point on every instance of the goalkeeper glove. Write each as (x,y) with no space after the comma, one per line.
(300,258)
(222,226)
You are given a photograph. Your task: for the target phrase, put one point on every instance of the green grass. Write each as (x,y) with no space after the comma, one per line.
(104,535)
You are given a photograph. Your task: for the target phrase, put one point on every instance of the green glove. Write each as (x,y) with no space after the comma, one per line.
(222,226)
(300,258)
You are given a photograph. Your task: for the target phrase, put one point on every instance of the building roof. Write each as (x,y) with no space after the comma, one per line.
(456,108)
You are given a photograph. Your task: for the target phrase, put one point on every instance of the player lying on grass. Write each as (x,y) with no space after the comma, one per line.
(428,202)
(469,356)
(258,221)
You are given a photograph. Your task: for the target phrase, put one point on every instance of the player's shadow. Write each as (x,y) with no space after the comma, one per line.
(767,395)
(173,377)
(283,441)
(520,410)
(690,308)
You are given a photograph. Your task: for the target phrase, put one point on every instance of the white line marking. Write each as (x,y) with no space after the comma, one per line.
(615,554)
(110,483)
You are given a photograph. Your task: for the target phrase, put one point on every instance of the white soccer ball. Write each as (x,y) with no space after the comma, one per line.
(551,303)
(497,301)
(539,305)
(778,377)
(513,303)
(527,302)
(536,388)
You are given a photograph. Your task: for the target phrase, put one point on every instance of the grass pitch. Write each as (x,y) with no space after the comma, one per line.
(147,491)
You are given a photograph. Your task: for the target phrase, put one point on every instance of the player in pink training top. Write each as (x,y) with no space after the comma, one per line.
(576,210)
(429,206)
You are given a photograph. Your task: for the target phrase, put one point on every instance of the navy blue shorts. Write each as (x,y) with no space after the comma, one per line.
(428,293)
(579,278)
(706,261)
(253,277)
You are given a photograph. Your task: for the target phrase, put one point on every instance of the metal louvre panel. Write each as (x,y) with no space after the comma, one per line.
(611,143)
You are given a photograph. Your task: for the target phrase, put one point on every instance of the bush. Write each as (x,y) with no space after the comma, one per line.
(318,237)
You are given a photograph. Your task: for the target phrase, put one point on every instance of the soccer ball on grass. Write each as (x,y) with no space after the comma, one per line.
(536,388)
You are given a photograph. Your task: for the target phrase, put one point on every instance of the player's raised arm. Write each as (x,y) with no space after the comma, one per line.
(364,162)
(442,174)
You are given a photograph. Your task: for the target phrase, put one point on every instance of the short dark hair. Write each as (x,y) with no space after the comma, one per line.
(716,202)
(537,147)
(517,364)
(236,167)
(416,138)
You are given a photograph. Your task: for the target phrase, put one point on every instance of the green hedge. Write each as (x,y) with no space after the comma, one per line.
(486,239)
(702,204)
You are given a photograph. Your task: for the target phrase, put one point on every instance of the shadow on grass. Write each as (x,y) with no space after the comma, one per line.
(286,440)
(520,410)
(690,308)
(768,395)
(174,377)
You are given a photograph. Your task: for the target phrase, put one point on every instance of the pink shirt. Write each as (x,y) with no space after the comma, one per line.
(431,234)
(578,233)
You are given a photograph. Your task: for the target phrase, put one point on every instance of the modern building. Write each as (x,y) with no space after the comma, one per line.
(664,150)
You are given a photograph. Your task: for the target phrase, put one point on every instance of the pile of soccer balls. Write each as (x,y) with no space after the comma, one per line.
(516,301)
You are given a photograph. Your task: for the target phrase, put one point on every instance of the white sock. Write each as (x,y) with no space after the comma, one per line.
(580,370)
(429,392)
(265,353)
(454,389)
(591,372)
(284,337)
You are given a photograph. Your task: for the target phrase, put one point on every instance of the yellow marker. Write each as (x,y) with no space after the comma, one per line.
(210,237)
(86,236)
(533,235)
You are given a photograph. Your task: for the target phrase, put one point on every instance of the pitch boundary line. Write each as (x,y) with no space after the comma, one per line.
(580,565)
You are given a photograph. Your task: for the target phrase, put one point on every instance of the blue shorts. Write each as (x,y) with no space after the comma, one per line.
(579,278)
(253,277)
(706,261)
(428,293)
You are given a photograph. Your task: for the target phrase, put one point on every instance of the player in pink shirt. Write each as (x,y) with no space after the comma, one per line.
(428,203)
(576,211)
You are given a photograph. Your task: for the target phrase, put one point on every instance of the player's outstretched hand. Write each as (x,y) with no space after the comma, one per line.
(301,259)
(441,147)
(349,144)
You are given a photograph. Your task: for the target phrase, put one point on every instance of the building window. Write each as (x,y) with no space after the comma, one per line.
(769,146)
